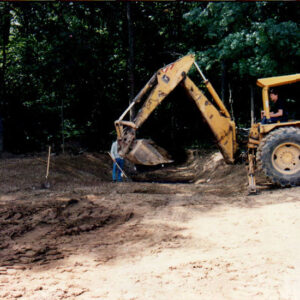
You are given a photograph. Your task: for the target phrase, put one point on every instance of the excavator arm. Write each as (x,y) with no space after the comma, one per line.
(220,124)
(157,88)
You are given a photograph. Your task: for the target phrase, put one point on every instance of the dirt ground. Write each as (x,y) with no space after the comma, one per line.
(182,232)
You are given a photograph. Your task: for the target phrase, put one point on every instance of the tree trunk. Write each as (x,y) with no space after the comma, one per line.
(130,58)
(6,17)
(223,81)
(252,104)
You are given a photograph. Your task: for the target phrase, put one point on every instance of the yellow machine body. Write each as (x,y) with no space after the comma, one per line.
(216,115)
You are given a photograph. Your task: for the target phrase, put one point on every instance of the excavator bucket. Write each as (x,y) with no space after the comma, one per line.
(146,152)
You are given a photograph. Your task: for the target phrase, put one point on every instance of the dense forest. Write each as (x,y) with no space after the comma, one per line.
(69,69)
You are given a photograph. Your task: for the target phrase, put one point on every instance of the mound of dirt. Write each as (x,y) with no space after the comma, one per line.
(36,231)
(90,169)
(65,170)
(200,167)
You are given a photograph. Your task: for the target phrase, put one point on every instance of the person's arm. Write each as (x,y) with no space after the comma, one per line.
(278,114)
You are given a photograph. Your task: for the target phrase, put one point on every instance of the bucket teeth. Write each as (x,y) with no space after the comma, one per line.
(146,152)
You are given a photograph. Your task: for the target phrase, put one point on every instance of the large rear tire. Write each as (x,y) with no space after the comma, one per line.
(278,156)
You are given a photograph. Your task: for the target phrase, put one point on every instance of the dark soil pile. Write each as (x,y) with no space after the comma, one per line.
(37,231)
(30,172)
(200,167)
(91,169)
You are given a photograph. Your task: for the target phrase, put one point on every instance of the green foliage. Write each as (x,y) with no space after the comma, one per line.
(251,37)
(64,66)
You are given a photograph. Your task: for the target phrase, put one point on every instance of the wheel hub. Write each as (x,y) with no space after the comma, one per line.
(286,158)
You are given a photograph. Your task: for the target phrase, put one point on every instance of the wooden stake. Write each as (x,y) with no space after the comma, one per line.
(48,162)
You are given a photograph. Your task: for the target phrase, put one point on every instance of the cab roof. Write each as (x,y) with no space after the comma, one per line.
(278,80)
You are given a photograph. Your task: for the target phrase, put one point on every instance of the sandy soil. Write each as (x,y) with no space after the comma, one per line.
(88,238)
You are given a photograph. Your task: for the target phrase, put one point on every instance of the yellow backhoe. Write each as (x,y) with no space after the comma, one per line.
(274,148)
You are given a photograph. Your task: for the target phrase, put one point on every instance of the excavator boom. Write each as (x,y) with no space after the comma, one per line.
(158,88)
(222,127)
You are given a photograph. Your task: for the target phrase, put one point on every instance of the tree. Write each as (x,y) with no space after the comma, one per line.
(130,57)
(5,25)
(250,38)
